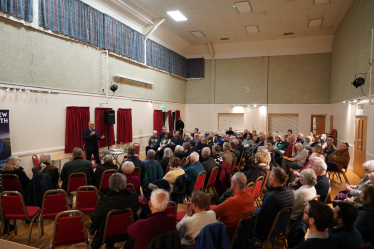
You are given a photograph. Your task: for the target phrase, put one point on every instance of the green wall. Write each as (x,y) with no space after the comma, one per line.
(34,58)
(347,56)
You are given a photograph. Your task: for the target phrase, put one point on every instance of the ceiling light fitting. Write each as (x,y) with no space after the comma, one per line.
(315,22)
(177,15)
(243,7)
(252,29)
(197,34)
(321,1)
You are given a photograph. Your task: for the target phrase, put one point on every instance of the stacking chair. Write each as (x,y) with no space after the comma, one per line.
(69,229)
(169,240)
(199,184)
(317,198)
(35,160)
(130,186)
(328,194)
(116,223)
(137,172)
(245,230)
(250,187)
(337,173)
(212,180)
(257,189)
(87,198)
(183,161)
(278,229)
(54,202)
(233,166)
(104,182)
(12,207)
(137,148)
(167,168)
(11,182)
(172,208)
(75,181)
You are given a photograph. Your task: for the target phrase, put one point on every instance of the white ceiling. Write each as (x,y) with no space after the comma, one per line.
(219,19)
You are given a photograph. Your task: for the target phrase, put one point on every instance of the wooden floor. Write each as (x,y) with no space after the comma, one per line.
(23,228)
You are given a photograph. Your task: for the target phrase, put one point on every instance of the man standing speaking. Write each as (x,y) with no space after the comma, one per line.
(90,136)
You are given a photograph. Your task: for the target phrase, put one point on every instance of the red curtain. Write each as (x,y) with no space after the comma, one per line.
(124,126)
(102,128)
(177,115)
(77,119)
(157,121)
(171,125)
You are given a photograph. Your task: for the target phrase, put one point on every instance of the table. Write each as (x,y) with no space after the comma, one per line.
(114,154)
(59,157)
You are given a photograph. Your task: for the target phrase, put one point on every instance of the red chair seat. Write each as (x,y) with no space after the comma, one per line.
(32,211)
(180,215)
(142,202)
(51,215)
(94,166)
(212,206)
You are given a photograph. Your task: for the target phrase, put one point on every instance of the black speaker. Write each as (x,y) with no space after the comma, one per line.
(110,117)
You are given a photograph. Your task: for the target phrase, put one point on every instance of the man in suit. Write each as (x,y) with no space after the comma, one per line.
(90,136)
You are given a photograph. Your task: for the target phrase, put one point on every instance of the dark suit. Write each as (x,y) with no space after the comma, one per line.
(78,164)
(91,145)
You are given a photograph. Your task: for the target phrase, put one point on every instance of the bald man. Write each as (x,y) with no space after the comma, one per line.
(90,136)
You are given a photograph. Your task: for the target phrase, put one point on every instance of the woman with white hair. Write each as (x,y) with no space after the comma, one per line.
(108,164)
(168,153)
(187,137)
(127,169)
(11,166)
(305,193)
(308,142)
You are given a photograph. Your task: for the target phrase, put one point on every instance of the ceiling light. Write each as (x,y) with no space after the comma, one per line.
(7,89)
(315,22)
(349,102)
(243,7)
(20,90)
(343,101)
(177,15)
(251,29)
(355,101)
(254,105)
(321,1)
(14,90)
(197,34)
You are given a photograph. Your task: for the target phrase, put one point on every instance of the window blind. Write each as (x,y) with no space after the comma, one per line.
(281,123)
(235,120)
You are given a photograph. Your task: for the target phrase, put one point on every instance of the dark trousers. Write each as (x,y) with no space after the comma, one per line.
(95,153)
(332,166)
(155,147)
(279,160)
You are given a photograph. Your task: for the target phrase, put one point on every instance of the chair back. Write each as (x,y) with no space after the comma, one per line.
(245,229)
(213,176)
(327,196)
(54,202)
(250,187)
(183,161)
(317,198)
(12,203)
(233,164)
(258,186)
(137,172)
(117,221)
(172,208)
(35,160)
(137,148)
(169,240)
(87,198)
(130,186)
(167,168)
(76,180)
(104,182)
(218,236)
(69,229)
(11,182)
(281,222)
(200,179)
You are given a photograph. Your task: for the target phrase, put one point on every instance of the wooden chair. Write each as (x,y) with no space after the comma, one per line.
(328,194)
(337,173)
(11,182)
(316,198)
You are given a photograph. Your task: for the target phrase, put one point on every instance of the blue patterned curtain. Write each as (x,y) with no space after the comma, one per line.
(195,68)
(18,8)
(137,46)
(158,56)
(178,64)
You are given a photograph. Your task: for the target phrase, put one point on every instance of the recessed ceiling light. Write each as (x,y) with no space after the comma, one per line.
(243,7)
(252,29)
(177,15)
(224,39)
(197,34)
(321,1)
(315,22)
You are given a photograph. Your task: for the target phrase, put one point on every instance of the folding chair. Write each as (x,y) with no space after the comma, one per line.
(278,229)
(54,202)
(35,160)
(328,194)
(245,230)
(75,181)
(116,223)
(69,229)
(137,172)
(212,180)
(337,173)
(104,182)
(87,199)
(11,182)
(137,148)
(172,208)
(12,207)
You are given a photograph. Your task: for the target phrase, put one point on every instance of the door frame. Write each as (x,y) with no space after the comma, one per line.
(358,170)
(311,120)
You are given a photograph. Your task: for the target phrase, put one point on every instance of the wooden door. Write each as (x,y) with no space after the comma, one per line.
(331,123)
(360,145)
(318,124)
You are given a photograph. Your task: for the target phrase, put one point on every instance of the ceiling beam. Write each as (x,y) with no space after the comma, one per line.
(211,50)
(148,30)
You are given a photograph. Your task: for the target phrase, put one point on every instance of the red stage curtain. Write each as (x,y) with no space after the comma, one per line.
(77,119)
(157,121)
(124,126)
(171,125)
(177,115)
(102,128)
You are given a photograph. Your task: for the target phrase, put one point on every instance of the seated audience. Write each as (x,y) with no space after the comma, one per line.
(261,167)
(175,171)
(300,138)
(311,134)
(323,141)
(216,149)
(195,219)
(186,150)
(147,162)
(230,132)
(220,140)
(196,132)
(162,133)
(277,197)
(240,136)
(345,234)
(270,138)
(209,141)
(196,139)
(323,182)
(165,141)
(339,158)
(317,141)
(278,140)
(298,161)
(233,152)
(288,152)
(78,164)
(168,153)
(307,143)
(255,136)
(233,208)
(132,158)
(289,133)
(143,231)
(283,145)
(305,193)
(260,143)
(330,147)
(318,217)
(187,137)
(202,144)
(108,164)
(365,219)
(245,133)
(238,148)
(127,169)
(153,142)
(226,154)
(45,167)
(11,166)
(178,152)
(192,146)
(248,143)
(207,161)
(117,198)
(193,167)
(176,140)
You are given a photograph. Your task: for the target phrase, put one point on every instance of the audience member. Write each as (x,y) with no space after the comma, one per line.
(132,158)
(248,143)
(179,126)
(208,162)
(339,158)
(196,132)
(278,140)
(233,208)
(187,137)
(195,219)
(311,134)
(365,219)
(108,164)
(127,169)
(345,234)
(298,161)
(45,167)
(193,167)
(162,133)
(178,152)
(318,217)
(176,140)
(158,222)
(209,141)
(186,149)
(282,145)
(289,133)
(192,146)
(153,142)
(260,143)
(288,152)
(216,149)
(323,182)
(168,153)
(317,141)
(261,167)
(255,136)
(11,166)
(240,136)
(117,198)
(245,133)
(270,138)
(307,143)
(330,147)
(323,141)
(226,154)
(202,144)
(175,171)
(300,138)
(147,162)
(165,141)
(277,197)
(230,132)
